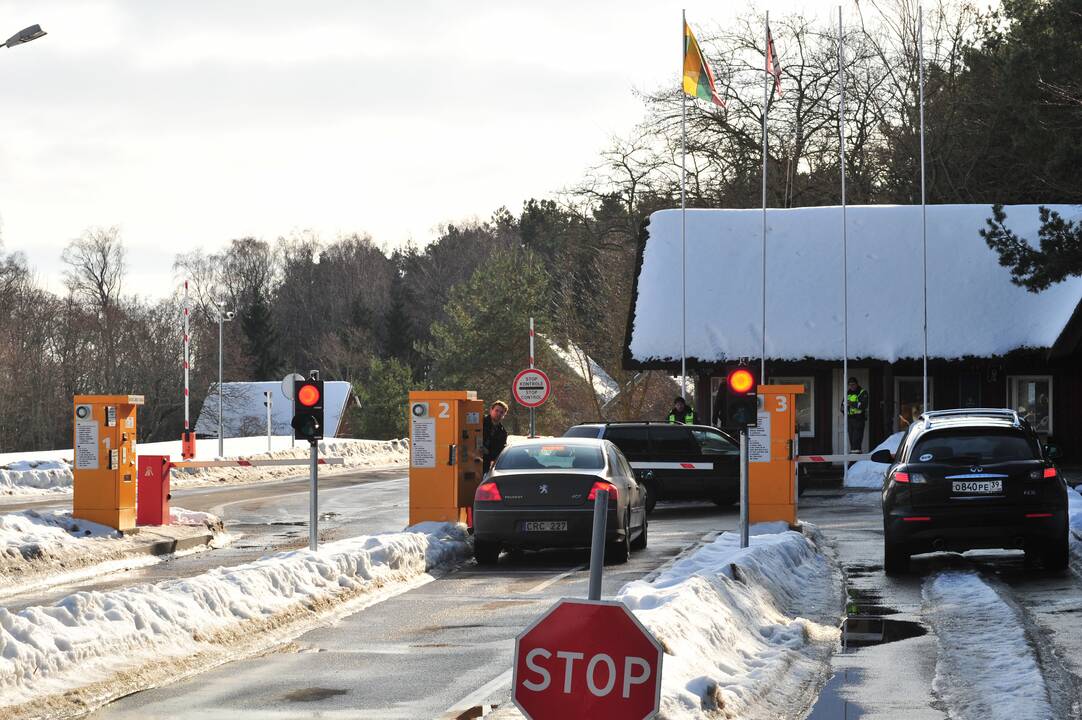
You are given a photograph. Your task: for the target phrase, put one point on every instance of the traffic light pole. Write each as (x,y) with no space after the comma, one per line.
(743,487)
(313,499)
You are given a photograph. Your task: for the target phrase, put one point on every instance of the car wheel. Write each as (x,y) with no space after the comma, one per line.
(486,553)
(619,551)
(639,543)
(1057,555)
(651,495)
(895,559)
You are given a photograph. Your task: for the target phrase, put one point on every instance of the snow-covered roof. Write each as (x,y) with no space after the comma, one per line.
(973,308)
(243,412)
(584,366)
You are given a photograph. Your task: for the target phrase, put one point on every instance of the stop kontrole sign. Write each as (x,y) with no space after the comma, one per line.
(587,659)
(531,388)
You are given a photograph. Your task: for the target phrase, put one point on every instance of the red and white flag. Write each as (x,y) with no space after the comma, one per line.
(773,66)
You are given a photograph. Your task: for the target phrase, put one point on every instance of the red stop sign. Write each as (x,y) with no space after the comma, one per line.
(587,659)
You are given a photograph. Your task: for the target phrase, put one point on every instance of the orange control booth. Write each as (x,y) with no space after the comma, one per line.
(105,459)
(772,452)
(445,454)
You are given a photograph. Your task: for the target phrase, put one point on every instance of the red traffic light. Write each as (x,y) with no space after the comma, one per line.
(308,395)
(741,381)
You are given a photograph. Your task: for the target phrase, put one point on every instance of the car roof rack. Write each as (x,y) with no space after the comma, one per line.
(1004,413)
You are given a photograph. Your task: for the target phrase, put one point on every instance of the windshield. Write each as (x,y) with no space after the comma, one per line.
(551,457)
(964,447)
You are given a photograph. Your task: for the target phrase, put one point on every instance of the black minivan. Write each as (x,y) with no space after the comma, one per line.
(967,479)
(675,462)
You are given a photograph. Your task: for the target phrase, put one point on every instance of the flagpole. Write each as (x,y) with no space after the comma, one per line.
(766,104)
(923,200)
(845,250)
(683,213)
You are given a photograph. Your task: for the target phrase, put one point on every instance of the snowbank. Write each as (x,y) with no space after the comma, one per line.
(90,646)
(43,473)
(1074,509)
(867,474)
(745,631)
(985,668)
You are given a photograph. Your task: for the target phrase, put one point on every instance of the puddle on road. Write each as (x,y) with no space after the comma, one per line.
(314,694)
(867,621)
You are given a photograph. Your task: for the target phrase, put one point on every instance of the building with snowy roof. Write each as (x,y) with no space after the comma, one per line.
(244,413)
(991,343)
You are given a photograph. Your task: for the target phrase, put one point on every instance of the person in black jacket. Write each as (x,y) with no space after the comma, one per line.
(681,413)
(494,436)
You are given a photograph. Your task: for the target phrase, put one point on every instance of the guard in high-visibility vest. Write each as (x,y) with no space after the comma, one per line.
(856,409)
(682,414)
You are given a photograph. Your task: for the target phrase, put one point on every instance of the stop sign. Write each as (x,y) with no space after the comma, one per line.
(587,659)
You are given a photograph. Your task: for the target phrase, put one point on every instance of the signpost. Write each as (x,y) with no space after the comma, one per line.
(587,659)
(531,389)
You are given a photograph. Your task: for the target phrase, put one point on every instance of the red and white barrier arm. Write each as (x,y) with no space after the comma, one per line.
(243,462)
(852,457)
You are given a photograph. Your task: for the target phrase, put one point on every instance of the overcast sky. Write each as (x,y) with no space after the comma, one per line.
(191,123)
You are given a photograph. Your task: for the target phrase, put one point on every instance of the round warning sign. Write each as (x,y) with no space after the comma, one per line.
(531,388)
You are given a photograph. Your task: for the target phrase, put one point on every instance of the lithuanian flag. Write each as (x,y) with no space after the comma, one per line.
(698,80)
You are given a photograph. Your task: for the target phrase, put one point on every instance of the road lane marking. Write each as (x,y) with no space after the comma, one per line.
(553,580)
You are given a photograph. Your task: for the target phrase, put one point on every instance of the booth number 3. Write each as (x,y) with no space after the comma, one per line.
(783,403)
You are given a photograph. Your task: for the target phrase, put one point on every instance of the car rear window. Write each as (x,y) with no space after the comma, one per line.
(962,447)
(551,457)
(630,440)
(583,431)
(673,439)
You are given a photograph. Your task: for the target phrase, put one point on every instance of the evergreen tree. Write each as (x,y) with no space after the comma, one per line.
(383,396)
(261,339)
(1057,257)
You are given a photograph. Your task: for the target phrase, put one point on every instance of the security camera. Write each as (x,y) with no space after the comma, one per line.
(229,314)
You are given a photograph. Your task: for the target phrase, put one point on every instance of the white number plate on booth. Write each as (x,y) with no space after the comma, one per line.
(978,486)
(545,526)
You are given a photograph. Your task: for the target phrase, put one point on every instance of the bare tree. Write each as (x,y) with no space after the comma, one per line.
(94,275)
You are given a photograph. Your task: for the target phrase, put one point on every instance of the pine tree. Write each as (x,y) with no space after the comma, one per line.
(261,339)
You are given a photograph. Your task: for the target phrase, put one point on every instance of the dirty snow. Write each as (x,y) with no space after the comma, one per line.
(95,642)
(985,668)
(1074,509)
(867,474)
(748,632)
(975,313)
(41,473)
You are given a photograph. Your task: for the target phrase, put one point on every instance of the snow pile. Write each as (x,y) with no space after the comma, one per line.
(587,369)
(745,631)
(43,473)
(985,668)
(1074,510)
(96,642)
(978,312)
(868,474)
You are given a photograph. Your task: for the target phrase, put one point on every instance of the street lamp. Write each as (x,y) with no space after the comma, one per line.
(224,316)
(24,36)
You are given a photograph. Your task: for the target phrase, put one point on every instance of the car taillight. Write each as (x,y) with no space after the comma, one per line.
(599,485)
(488,492)
(1049,473)
(901,477)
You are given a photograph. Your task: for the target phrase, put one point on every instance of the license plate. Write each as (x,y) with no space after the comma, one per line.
(978,487)
(545,526)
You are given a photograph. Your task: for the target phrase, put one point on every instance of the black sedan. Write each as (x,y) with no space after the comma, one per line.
(540,494)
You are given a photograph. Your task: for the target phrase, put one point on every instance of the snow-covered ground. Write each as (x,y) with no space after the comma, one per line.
(41,473)
(748,632)
(37,547)
(985,668)
(1074,510)
(93,646)
(867,474)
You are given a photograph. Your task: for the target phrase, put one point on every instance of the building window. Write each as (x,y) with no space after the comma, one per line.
(1031,396)
(909,400)
(805,404)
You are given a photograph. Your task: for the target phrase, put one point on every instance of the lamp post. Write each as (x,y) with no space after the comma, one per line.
(224,316)
(24,36)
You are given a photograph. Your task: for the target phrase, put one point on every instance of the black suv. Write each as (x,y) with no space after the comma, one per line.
(675,461)
(966,479)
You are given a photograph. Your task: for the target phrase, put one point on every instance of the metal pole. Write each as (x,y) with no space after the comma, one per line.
(845,255)
(683,213)
(313,499)
(187,361)
(744,487)
(597,542)
(533,424)
(268,395)
(221,442)
(766,104)
(923,201)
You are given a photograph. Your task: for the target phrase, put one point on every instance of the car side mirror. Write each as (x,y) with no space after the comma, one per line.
(885,457)
(1051,451)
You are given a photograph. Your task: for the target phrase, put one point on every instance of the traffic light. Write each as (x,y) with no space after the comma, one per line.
(741,400)
(308,409)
